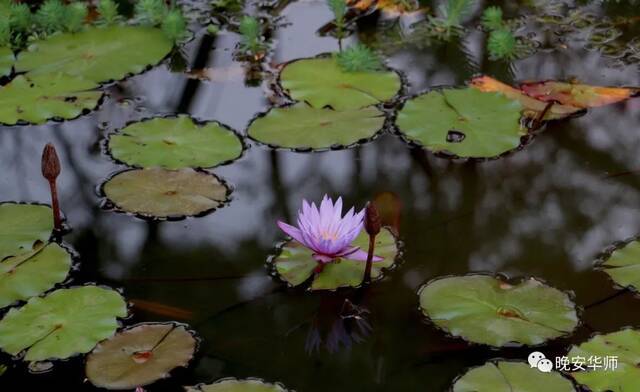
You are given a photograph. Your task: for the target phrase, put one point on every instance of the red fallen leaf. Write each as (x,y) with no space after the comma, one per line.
(532,107)
(162,309)
(141,356)
(578,95)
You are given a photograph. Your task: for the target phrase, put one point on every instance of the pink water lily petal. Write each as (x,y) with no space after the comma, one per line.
(360,255)
(293,232)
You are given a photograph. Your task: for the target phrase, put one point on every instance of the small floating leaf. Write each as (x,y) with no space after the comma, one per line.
(38,98)
(483,309)
(532,107)
(140,355)
(624,375)
(21,226)
(161,193)
(31,274)
(295,264)
(64,323)
(578,95)
(233,385)
(464,122)
(6,61)
(506,376)
(175,143)
(321,82)
(300,126)
(623,266)
(97,54)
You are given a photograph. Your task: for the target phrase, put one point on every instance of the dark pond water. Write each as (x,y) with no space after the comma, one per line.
(546,211)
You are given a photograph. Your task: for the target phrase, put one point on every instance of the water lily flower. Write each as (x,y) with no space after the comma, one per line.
(327,233)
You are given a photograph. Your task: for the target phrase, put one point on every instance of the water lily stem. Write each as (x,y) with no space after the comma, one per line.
(55,205)
(367,270)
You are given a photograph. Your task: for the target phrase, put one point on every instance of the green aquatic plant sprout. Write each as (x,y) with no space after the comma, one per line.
(51,16)
(502,45)
(448,22)
(150,12)
(174,25)
(251,36)
(492,18)
(108,12)
(75,15)
(359,58)
(339,9)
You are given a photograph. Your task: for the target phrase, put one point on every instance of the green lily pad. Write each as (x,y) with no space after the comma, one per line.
(302,127)
(321,82)
(175,143)
(6,61)
(161,193)
(506,376)
(623,265)
(96,54)
(483,309)
(465,122)
(22,226)
(38,98)
(295,264)
(62,324)
(625,376)
(233,385)
(33,273)
(140,355)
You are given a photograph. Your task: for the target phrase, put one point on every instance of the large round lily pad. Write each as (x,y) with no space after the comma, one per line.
(623,265)
(506,376)
(140,355)
(31,274)
(321,82)
(161,193)
(464,122)
(22,226)
(38,98)
(62,324)
(483,309)
(233,385)
(295,264)
(302,127)
(6,61)
(96,54)
(621,374)
(175,143)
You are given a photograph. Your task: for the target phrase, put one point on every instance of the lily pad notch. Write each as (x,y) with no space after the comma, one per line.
(490,310)
(161,194)
(175,142)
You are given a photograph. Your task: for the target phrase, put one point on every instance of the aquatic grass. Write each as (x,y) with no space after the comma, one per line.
(492,18)
(20,17)
(502,45)
(5,32)
(51,16)
(358,58)
(75,16)
(108,13)
(251,37)
(150,12)
(327,233)
(339,9)
(174,25)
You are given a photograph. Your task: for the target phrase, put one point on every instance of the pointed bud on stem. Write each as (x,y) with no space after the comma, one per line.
(50,171)
(372,225)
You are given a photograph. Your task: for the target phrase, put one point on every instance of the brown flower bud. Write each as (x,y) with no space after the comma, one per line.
(50,163)
(372,223)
